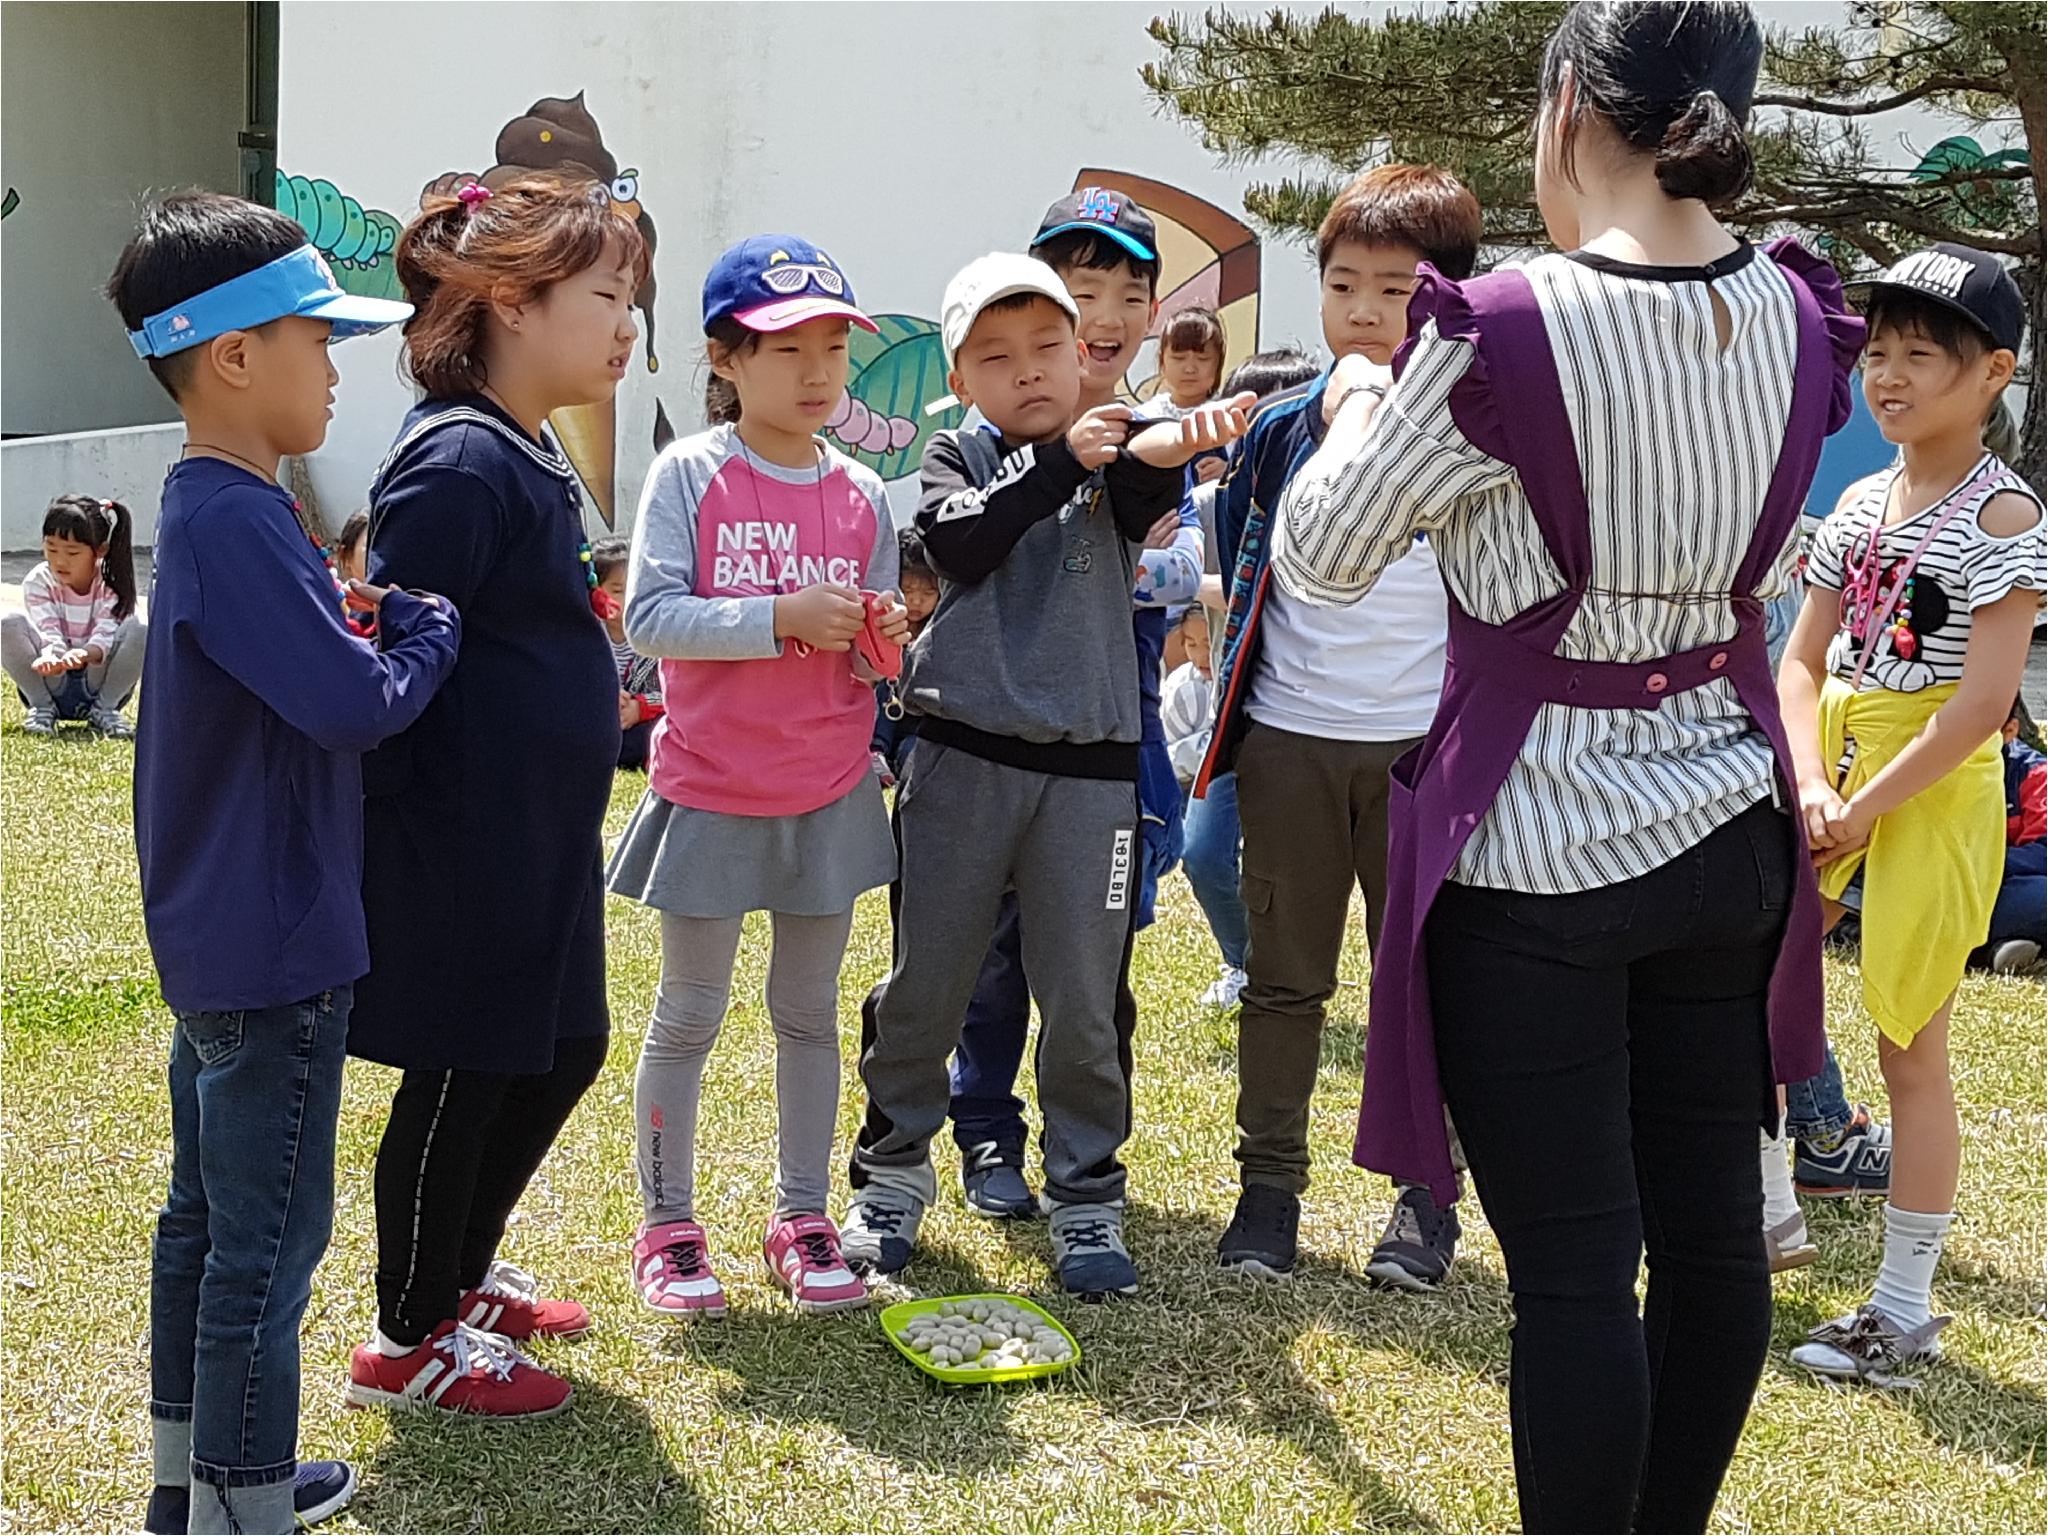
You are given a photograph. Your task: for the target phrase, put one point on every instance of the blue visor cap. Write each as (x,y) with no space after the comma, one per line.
(298,283)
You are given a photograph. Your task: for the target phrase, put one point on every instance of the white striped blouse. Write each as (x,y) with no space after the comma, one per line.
(1676,437)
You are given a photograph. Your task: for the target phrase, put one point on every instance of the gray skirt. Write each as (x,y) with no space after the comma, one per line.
(710,864)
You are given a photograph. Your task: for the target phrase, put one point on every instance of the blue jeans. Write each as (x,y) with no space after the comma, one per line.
(254,1099)
(2022,908)
(1210,857)
(1817,1109)
(991,1051)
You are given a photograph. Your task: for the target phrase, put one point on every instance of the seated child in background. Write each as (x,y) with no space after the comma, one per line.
(895,727)
(76,653)
(639,676)
(1191,351)
(352,547)
(2019,919)
(1188,704)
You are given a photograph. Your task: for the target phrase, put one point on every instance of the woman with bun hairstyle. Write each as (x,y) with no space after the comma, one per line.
(483,822)
(1601,947)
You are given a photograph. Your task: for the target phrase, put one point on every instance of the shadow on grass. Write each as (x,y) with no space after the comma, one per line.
(607,1469)
(1957,1402)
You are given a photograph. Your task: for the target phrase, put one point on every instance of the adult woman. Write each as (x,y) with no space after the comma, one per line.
(1596,903)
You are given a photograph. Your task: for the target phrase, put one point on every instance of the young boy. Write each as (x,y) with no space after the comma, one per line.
(1104,248)
(1024,774)
(248,827)
(1314,706)
(639,676)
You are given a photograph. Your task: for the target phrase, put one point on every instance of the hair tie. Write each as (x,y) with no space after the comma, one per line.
(472,194)
(113,514)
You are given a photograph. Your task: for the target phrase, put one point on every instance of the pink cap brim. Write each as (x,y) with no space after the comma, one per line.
(785,313)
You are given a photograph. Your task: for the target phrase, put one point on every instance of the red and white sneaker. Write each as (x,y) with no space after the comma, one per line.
(509,1303)
(457,1370)
(672,1268)
(804,1259)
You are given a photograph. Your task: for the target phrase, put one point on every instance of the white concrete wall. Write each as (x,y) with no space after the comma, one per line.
(99,103)
(905,139)
(126,464)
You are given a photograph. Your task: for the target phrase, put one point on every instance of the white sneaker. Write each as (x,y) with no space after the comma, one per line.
(1225,990)
(2016,957)
(1868,1346)
(1788,1246)
(40,721)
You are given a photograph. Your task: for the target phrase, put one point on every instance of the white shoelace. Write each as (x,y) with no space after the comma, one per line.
(510,1280)
(471,1348)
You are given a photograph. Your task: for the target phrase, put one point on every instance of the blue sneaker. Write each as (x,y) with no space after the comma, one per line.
(321,1490)
(880,1230)
(1859,1164)
(1088,1251)
(992,1177)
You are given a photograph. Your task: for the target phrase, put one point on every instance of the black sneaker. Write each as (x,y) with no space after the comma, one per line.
(1264,1233)
(1416,1250)
(992,1178)
(320,1489)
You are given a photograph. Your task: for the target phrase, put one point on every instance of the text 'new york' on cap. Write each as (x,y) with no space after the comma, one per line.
(1973,283)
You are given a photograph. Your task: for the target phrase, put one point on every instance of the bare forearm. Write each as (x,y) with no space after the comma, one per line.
(1958,729)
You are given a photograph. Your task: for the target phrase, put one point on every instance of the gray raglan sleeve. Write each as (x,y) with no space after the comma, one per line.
(664,615)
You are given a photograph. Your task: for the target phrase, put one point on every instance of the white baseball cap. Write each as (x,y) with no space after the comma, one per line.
(997,275)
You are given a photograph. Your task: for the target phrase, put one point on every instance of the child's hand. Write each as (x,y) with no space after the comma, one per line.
(629,711)
(1210,469)
(50,663)
(1353,371)
(1820,808)
(1098,435)
(1170,444)
(825,617)
(360,594)
(1160,534)
(881,766)
(77,659)
(1849,827)
(893,620)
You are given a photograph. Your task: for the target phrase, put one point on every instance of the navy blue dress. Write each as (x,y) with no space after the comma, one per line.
(483,823)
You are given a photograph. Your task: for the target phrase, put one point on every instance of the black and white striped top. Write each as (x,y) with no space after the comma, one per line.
(1962,569)
(1677,438)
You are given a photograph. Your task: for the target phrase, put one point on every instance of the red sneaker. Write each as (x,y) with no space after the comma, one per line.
(509,1303)
(804,1259)
(457,1370)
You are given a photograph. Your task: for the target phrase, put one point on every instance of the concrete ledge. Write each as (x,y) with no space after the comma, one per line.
(124,464)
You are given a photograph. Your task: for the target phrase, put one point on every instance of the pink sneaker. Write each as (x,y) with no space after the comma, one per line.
(804,1259)
(672,1268)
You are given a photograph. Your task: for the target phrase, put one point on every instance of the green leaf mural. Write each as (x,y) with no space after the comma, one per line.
(1984,203)
(356,241)
(896,372)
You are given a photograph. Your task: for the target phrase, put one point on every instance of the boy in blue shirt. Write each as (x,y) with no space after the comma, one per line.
(248,827)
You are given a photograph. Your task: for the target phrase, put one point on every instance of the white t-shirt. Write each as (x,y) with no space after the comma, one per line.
(1370,671)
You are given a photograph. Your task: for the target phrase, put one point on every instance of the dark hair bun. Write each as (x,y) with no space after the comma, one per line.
(1704,153)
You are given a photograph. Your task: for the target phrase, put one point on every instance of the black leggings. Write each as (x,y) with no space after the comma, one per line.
(458,1152)
(1605,1057)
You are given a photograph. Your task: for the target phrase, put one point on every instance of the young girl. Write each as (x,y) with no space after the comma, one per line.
(1191,351)
(482,823)
(753,551)
(76,654)
(1922,592)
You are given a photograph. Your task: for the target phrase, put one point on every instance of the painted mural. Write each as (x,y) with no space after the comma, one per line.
(356,241)
(559,134)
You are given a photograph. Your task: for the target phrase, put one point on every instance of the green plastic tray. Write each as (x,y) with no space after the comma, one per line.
(894,1318)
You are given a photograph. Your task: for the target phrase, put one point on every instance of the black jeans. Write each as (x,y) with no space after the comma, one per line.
(458,1152)
(1605,1057)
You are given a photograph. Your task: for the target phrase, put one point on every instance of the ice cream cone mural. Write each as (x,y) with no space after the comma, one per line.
(1207,258)
(558,134)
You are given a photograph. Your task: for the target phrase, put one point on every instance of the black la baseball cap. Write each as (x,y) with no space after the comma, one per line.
(1971,282)
(1102,211)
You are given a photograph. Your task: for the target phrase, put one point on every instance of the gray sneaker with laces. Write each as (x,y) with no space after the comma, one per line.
(110,722)
(40,721)
(880,1230)
(1867,1345)
(1420,1242)
(1088,1251)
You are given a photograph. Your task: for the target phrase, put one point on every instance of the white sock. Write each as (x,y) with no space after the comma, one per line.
(386,1345)
(1912,1247)
(1780,1204)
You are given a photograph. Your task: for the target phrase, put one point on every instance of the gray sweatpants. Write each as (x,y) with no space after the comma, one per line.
(803,1003)
(969,830)
(109,681)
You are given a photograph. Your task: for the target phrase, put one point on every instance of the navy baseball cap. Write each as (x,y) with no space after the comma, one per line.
(1973,283)
(298,283)
(1102,211)
(774,282)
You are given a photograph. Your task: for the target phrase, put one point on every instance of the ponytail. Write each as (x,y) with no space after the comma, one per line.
(721,397)
(99,525)
(1704,153)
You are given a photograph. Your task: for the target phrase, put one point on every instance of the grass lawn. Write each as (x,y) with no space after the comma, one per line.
(1208,1403)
